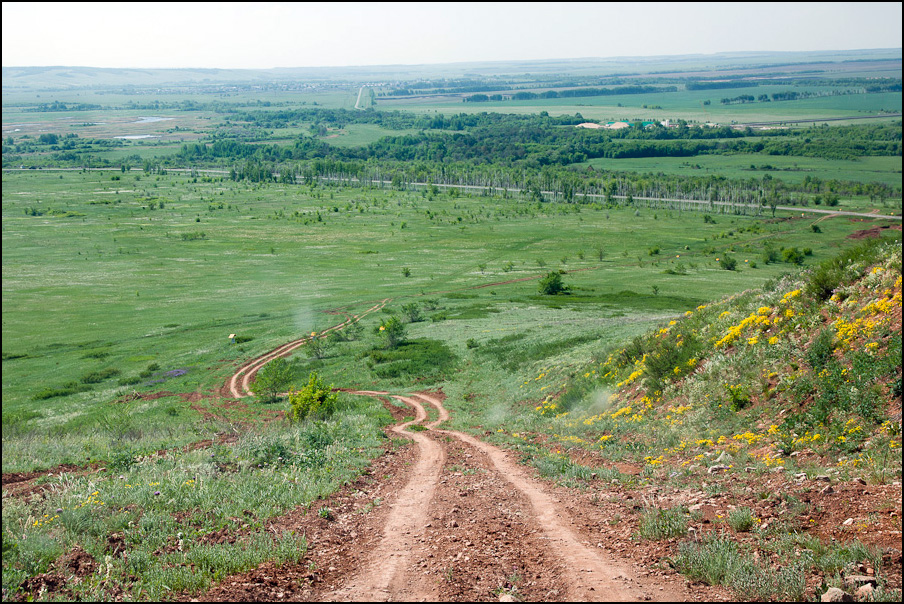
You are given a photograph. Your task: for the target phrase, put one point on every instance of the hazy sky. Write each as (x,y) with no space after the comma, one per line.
(275,34)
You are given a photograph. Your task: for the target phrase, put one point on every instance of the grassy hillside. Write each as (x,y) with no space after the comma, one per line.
(765,426)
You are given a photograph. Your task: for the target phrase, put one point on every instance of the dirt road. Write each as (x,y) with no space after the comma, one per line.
(451,518)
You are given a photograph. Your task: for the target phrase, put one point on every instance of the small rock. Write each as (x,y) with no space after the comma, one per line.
(859,480)
(848,522)
(696,507)
(507,597)
(833,594)
(715,469)
(777,470)
(724,457)
(827,490)
(823,478)
(749,469)
(865,592)
(801,476)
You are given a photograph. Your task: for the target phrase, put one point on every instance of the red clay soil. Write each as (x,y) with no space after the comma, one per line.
(873,233)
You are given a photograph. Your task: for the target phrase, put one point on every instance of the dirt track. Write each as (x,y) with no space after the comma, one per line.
(457,520)
(465,523)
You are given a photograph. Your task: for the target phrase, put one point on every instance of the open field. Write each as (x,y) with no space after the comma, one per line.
(495,350)
(119,282)
(686,105)
(787,168)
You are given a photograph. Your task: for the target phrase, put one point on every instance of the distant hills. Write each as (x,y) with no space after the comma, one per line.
(68,77)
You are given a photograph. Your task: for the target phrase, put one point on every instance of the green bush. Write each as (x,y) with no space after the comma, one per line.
(315,399)
(95,377)
(792,255)
(821,349)
(413,359)
(391,332)
(413,312)
(552,284)
(663,524)
(741,519)
(273,378)
(728,263)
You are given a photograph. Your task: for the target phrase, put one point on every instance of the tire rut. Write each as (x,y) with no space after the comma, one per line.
(589,573)
(384,576)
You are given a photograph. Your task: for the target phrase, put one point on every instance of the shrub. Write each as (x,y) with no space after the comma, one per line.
(728,263)
(741,519)
(391,331)
(319,346)
(711,560)
(663,524)
(821,349)
(552,284)
(792,255)
(314,399)
(770,254)
(273,378)
(95,377)
(413,312)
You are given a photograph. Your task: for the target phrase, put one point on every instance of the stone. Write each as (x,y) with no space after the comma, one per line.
(715,469)
(859,480)
(827,490)
(865,592)
(823,478)
(848,522)
(833,594)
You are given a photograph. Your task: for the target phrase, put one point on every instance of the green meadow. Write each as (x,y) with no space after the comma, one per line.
(886,170)
(110,277)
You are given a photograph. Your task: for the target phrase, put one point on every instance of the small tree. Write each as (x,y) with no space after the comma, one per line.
(273,378)
(413,312)
(314,399)
(319,346)
(391,331)
(552,284)
(792,255)
(728,263)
